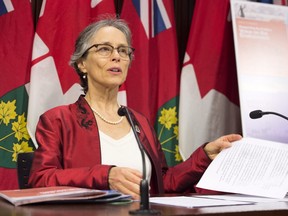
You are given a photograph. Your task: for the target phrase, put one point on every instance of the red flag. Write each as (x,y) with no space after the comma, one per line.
(15,53)
(153,79)
(15,41)
(137,83)
(209,101)
(53,81)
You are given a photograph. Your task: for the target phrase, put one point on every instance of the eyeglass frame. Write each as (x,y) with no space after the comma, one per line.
(113,48)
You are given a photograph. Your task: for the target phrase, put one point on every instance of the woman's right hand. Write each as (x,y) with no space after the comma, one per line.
(126,181)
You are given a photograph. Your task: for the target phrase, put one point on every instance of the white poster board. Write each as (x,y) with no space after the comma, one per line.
(261,47)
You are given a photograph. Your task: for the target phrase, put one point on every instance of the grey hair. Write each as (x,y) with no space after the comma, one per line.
(84,39)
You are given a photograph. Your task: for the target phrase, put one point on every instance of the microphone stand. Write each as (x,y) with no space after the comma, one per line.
(144,185)
(274,113)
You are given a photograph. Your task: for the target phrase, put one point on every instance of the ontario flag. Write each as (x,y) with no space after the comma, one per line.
(209,100)
(152,84)
(53,82)
(16,39)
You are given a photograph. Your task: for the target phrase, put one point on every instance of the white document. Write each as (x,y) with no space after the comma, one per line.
(243,198)
(193,202)
(251,166)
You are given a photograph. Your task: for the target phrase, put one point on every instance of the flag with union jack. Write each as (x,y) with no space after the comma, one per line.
(152,84)
(53,82)
(16,39)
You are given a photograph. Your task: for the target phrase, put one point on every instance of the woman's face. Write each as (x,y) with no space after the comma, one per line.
(107,71)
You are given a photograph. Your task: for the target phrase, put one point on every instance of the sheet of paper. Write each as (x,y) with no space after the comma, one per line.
(242,197)
(193,202)
(251,166)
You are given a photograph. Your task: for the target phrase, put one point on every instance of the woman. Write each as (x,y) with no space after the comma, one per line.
(87,144)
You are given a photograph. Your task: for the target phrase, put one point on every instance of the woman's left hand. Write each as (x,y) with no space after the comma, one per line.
(212,149)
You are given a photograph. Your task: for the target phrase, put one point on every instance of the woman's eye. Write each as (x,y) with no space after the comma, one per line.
(104,49)
(123,50)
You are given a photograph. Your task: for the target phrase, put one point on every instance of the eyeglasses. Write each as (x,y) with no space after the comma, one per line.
(106,50)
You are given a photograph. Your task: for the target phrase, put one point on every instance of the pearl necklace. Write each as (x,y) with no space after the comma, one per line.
(105,120)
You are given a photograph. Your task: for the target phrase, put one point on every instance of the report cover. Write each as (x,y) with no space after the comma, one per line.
(60,193)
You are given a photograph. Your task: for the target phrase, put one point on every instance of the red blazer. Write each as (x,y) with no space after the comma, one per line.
(69,153)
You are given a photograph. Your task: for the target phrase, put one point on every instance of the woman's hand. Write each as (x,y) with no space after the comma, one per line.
(126,181)
(212,149)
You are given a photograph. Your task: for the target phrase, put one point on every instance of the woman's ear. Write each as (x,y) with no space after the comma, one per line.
(82,66)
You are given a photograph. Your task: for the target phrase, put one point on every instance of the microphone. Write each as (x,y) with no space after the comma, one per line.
(259,113)
(144,185)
